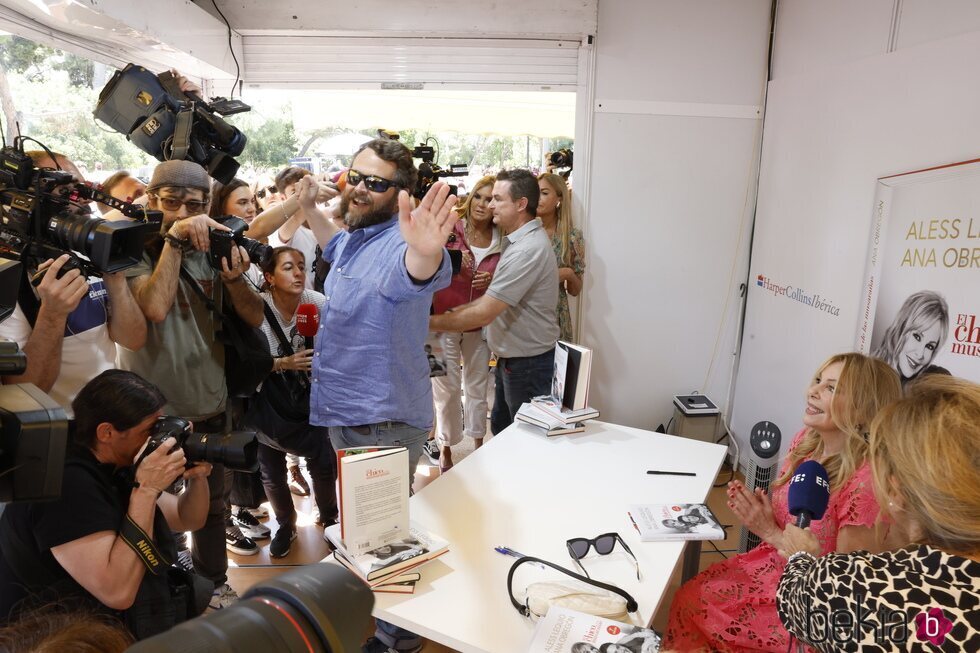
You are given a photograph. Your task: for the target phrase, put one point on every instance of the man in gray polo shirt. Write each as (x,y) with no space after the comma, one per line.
(519,308)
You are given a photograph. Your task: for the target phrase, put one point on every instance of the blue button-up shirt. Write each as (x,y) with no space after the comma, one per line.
(369,362)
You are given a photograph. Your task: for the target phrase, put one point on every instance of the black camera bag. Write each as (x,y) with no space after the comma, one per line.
(284,400)
(247,358)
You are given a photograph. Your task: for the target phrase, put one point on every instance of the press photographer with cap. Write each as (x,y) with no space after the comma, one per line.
(106,543)
(183,355)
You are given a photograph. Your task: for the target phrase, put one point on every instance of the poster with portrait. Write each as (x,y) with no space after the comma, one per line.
(920,300)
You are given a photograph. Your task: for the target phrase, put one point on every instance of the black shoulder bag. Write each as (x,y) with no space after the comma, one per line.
(287,393)
(247,358)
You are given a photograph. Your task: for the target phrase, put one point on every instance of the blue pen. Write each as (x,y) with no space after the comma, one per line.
(507,551)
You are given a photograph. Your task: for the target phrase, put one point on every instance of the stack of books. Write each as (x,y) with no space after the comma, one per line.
(375,538)
(391,567)
(567,408)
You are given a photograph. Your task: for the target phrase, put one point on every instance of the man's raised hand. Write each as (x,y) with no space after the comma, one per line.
(427,228)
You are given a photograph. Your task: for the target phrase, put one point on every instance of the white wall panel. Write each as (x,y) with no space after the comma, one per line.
(812,35)
(669,198)
(922,21)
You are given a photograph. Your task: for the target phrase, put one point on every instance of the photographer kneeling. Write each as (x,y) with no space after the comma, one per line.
(107,543)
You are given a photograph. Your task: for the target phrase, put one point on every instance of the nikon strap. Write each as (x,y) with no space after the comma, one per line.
(143,545)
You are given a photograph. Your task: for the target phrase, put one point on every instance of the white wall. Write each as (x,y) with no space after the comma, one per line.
(840,114)
(669,188)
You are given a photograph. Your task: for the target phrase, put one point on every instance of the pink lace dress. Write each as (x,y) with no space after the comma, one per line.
(731,605)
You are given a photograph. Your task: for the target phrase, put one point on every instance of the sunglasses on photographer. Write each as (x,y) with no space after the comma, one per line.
(578,548)
(261,193)
(371,182)
(194,207)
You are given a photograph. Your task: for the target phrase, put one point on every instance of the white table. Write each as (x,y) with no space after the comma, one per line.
(532,493)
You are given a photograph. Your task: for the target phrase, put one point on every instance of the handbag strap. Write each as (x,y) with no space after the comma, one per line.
(631,604)
(270,317)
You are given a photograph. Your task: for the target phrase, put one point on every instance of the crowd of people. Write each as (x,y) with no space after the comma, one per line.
(898,438)
(121,351)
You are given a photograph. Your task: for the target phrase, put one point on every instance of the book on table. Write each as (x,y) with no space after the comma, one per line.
(570,381)
(413,550)
(553,408)
(373,487)
(405,580)
(541,420)
(670,522)
(567,631)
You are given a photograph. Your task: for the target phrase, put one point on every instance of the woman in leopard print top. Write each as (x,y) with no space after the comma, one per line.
(924,461)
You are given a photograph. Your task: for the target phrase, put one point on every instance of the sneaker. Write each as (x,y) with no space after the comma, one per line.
(279,548)
(222,597)
(259,513)
(238,543)
(184,560)
(298,484)
(249,525)
(431,451)
(375,645)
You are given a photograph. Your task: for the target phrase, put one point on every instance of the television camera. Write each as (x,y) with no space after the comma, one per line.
(169,123)
(33,427)
(430,172)
(45,213)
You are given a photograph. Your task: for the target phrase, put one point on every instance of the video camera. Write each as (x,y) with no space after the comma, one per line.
(44,213)
(320,608)
(33,427)
(223,241)
(237,450)
(430,172)
(168,123)
(562,158)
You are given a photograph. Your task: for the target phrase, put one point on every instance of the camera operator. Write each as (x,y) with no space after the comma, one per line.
(69,327)
(183,354)
(107,542)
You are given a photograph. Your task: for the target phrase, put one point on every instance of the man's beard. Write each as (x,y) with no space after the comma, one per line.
(375,215)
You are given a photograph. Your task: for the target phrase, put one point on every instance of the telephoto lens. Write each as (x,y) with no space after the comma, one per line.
(320,608)
(238,450)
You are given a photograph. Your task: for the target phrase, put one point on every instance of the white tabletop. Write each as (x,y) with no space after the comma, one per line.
(532,493)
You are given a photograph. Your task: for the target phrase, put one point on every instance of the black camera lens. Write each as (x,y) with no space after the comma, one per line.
(110,246)
(238,450)
(258,253)
(322,608)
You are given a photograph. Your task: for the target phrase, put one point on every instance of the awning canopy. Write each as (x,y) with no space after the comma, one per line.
(509,113)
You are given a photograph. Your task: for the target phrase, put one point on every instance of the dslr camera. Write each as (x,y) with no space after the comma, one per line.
(167,123)
(223,241)
(237,450)
(44,213)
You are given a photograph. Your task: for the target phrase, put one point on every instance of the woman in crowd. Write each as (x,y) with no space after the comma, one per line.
(264,193)
(555,211)
(731,606)
(285,277)
(479,240)
(924,461)
(916,335)
(233,198)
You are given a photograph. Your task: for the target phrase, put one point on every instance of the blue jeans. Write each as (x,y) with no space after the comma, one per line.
(519,379)
(386,433)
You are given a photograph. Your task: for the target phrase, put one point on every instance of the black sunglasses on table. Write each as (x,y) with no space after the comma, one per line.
(371,182)
(578,548)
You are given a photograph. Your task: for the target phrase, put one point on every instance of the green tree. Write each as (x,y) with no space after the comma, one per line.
(270,143)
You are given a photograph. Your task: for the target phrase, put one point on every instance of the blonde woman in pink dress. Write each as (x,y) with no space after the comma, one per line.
(731,606)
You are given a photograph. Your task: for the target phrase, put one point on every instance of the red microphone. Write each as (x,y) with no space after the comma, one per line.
(307,322)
